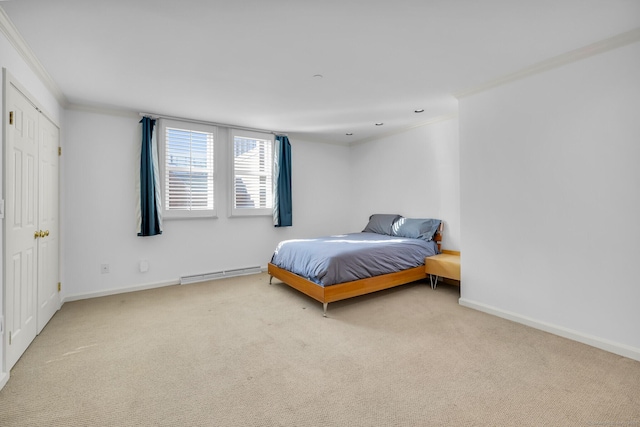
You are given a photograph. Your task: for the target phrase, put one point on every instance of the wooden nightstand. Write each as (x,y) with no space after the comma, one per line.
(446,264)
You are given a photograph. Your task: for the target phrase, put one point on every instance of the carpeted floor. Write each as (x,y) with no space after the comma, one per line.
(239,352)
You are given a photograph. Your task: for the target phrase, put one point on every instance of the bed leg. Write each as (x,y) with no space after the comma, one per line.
(324,308)
(270,279)
(434,283)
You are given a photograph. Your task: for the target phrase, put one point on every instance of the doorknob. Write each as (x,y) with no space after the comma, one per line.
(40,234)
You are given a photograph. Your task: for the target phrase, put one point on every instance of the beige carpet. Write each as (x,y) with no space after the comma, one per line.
(238,352)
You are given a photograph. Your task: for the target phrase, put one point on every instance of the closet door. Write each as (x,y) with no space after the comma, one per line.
(31,226)
(48,243)
(21,231)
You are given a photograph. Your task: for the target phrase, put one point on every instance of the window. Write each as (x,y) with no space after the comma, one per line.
(187,168)
(252,173)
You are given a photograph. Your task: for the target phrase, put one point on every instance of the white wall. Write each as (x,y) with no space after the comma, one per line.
(335,189)
(415,173)
(13,62)
(100,166)
(551,202)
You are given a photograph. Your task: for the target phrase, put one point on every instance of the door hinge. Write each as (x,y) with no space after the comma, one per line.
(10,117)
(59,151)
(59,286)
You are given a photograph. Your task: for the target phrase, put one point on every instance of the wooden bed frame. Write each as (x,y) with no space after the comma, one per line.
(340,291)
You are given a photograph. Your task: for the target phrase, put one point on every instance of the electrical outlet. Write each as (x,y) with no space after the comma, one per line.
(104,268)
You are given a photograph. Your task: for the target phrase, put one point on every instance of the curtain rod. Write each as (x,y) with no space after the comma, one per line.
(204,122)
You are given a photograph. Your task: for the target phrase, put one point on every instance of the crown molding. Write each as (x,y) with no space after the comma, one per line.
(98,109)
(602,46)
(21,46)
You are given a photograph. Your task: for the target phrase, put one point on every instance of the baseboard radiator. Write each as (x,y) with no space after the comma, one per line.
(195,278)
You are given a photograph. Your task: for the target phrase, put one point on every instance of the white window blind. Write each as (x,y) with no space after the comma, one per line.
(252,174)
(189,169)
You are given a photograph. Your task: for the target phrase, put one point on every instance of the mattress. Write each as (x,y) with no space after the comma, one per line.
(347,257)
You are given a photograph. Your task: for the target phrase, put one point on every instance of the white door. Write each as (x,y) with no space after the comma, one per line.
(48,243)
(21,216)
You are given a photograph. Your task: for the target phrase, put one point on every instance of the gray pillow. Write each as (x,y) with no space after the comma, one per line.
(381,223)
(416,228)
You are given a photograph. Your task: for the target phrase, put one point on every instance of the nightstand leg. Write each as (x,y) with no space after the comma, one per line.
(434,283)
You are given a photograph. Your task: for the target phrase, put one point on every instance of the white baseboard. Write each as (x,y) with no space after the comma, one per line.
(603,344)
(115,291)
(221,274)
(135,288)
(4,379)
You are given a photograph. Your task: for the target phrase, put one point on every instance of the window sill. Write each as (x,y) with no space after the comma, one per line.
(171,215)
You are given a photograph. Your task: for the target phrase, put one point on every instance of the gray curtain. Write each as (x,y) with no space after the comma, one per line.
(282,207)
(149,203)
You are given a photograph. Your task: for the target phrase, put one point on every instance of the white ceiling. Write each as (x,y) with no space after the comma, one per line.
(252,62)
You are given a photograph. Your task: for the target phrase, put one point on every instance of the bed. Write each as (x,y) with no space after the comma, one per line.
(389,252)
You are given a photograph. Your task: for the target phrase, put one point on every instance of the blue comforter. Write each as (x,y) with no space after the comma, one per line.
(347,257)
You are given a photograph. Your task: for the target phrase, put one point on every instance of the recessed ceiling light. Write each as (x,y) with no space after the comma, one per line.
(379,124)
(421,110)
(349,133)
